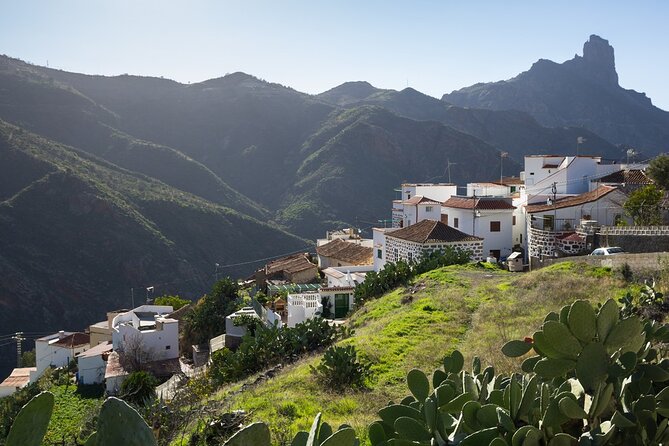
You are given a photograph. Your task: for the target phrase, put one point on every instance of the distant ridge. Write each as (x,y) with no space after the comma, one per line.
(582,92)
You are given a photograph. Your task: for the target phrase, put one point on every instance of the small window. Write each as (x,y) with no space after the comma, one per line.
(531,173)
(444,219)
(495,226)
(428,208)
(514,220)
(167,347)
(379,254)
(456,221)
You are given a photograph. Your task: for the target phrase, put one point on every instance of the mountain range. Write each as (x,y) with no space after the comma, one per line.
(113,183)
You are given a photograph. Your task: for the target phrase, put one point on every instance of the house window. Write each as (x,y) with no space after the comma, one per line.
(379,254)
(428,208)
(167,347)
(444,219)
(456,221)
(514,220)
(494,226)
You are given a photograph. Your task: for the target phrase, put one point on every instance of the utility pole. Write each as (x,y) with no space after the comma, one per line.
(448,167)
(132,297)
(18,336)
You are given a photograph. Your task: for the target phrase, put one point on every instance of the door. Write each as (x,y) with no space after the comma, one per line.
(341,305)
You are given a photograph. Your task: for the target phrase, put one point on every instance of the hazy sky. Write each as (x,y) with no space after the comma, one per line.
(432,46)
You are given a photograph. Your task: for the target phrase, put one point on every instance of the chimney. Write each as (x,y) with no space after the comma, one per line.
(61,334)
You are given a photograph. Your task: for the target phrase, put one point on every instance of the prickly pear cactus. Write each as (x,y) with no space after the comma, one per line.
(118,423)
(253,434)
(32,421)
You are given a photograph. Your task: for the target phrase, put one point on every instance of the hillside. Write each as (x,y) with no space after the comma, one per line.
(473,309)
(512,131)
(581,92)
(352,165)
(79,232)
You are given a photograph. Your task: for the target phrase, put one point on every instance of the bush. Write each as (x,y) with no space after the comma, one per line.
(340,369)
(139,388)
(175,302)
(270,346)
(400,273)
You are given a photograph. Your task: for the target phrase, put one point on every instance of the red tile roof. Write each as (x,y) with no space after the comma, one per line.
(346,252)
(419,199)
(477,203)
(631,176)
(290,264)
(576,200)
(429,231)
(74,340)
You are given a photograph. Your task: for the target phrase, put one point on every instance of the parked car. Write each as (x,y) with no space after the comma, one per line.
(611,250)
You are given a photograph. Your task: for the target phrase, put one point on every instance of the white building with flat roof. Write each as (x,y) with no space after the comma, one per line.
(147,327)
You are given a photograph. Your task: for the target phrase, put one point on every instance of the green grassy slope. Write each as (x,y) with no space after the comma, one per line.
(472,309)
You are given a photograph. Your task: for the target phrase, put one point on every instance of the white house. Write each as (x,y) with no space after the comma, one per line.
(488,189)
(346,276)
(303,306)
(567,174)
(491,218)
(57,350)
(18,379)
(93,362)
(552,221)
(414,210)
(148,328)
(410,243)
(349,235)
(235,333)
(408,209)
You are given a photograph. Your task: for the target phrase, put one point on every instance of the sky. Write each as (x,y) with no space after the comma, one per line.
(312,46)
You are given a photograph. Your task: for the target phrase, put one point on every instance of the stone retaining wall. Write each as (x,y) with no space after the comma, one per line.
(642,263)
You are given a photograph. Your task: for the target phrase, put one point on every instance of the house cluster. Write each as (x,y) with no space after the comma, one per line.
(109,350)
(553,209)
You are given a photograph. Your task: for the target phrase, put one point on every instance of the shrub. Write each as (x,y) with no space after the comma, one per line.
(340,369)
(139,388)
(175,302)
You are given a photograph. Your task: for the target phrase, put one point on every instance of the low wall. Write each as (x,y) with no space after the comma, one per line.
(639,263)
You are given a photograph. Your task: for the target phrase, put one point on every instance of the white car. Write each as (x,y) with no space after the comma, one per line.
(611,250)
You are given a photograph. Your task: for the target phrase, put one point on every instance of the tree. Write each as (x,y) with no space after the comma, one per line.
(207,320)
(643,205)
(658,171)
(28,359)
(175,302)
(135,354)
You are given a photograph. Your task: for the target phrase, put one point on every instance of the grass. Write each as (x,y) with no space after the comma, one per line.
(465,307)
(73,408)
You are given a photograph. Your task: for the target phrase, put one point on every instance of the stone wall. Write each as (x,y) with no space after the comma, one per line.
(635,239)
(641,263)
(398,249)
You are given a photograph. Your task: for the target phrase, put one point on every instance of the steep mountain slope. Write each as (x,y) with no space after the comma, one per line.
(41,104)
(245,130)
(79,232)
(353,163)
(583,91)
(512,131)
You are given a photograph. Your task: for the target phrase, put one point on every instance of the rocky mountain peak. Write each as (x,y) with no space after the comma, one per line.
(599,60)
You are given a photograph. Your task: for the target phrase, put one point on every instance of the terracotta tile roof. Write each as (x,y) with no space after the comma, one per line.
(573,237)
(290,264)
(99,350)
(631,176)
(576,200)
(73,340)
(419,199)
(511,181)
(346,252)
(478,203)
(18,378)
(427,231)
